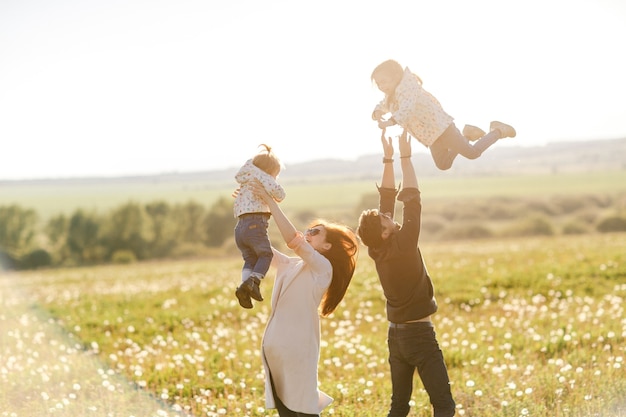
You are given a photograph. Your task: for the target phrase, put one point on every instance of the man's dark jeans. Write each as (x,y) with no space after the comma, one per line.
(414,346)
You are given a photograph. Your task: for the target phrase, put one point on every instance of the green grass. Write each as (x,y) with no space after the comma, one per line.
(49,199)
(528,326)
(525,185)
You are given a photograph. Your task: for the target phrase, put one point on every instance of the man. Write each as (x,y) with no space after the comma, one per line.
(408,289)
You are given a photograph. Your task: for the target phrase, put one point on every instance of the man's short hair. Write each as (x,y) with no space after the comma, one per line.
(370,229)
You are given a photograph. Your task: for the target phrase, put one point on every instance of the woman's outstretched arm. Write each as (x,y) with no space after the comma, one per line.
(287,229)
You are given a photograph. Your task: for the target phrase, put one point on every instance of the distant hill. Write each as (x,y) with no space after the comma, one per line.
(561,157)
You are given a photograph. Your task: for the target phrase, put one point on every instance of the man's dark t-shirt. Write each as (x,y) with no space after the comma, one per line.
(401,270)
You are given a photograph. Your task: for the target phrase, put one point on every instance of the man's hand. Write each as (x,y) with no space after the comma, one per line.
(377,115)
(383,124)
(387,145)
(405,144)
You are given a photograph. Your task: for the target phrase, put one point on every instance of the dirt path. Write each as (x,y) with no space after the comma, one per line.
(43,372)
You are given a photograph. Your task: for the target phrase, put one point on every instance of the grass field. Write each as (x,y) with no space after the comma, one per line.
(49,199)
(528,327)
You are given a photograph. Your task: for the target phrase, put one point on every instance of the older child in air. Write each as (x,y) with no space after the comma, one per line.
(417,111)
(253,216)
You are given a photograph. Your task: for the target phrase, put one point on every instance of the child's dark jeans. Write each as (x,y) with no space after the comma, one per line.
(254,243)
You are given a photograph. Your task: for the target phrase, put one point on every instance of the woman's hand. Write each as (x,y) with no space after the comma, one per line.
(260,191)
(287,230)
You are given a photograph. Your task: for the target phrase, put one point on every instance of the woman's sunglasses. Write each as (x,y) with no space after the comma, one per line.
(313,231)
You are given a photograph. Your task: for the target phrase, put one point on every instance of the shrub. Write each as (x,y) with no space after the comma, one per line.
(449,212)
(472,231)
(305,216)
(219,222)
(123,256)
(540,207)
(36,259)
(602,201)
(472,211)
(570,204)
(7,261)
(17,228)
(587,216)
(190,250)
(229,248)
(537,226)
(612,224)
(368,201)
(432,225)
(575,228)
(502,208)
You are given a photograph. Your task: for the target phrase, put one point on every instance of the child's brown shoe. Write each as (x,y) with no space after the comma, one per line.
(249,289)
(243,296)
(255,291)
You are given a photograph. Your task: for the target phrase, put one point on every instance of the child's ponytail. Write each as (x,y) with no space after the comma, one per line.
(267,161)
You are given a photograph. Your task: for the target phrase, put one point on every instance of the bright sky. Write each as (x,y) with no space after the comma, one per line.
(119,87)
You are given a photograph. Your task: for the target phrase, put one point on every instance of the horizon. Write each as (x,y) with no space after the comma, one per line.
(139,88)
(234,168)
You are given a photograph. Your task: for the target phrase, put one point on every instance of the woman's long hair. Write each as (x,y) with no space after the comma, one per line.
(342,256)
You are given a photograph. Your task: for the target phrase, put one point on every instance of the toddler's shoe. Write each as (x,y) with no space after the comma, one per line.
(249,289)
(255,292)
(243,296)
(506,131)
(473,132)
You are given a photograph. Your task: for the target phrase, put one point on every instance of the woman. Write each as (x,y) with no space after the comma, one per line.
(306,286)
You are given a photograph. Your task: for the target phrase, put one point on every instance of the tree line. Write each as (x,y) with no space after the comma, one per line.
(127,233)
(161,230)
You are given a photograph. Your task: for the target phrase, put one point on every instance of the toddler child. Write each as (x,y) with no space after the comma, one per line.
(253,217)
